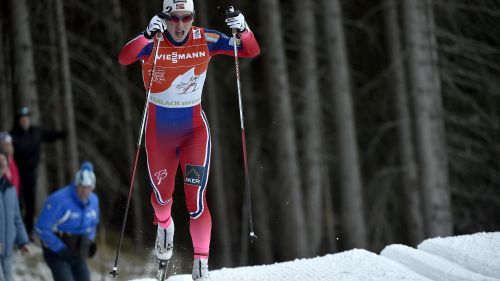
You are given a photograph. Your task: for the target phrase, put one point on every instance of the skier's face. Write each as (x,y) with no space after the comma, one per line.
(25,122)
(179,24)
(7,147)
(84,192)
(3,163)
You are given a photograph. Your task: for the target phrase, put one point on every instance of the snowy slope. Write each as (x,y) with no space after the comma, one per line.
(468,258)
(431,266)
(461,258)
(354,265)
(479,252)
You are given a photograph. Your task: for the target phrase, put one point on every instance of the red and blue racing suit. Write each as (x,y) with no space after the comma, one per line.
(177,130)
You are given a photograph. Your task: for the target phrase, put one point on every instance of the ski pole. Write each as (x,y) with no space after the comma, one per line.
(144,114)
(248,190)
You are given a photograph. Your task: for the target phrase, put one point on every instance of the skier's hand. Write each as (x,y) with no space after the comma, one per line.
(92,249)
(65,253)
(236,20)
(25,249)
(157,24)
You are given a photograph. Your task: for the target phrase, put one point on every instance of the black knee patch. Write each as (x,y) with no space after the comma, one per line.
(194,174)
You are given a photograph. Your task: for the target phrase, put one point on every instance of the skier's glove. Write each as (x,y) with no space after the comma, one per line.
(235,19)
(157,24)
(84,246)
(92,249)
(65,253)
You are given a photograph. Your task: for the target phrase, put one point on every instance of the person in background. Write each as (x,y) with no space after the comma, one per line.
(12,230)
(27,140)
(12,173)
(177,131)
(67,227)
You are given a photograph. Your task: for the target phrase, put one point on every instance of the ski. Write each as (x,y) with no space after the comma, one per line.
(162,270)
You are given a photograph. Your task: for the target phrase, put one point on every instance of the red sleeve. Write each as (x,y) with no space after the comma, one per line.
(16,180)
(220,43)
(250,47)
(134,50)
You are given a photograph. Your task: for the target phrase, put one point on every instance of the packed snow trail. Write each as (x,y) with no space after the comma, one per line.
(431,266)
(461,258)
(467,257)
(479,252)
(354,265)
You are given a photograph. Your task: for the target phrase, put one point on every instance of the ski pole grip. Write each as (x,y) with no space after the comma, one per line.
(164,16)
(231,12)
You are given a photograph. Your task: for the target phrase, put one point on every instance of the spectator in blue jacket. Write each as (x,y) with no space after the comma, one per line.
(67,227)
(12,230)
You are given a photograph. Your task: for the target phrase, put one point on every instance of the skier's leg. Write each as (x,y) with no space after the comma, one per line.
(60,267)
(195,163)
(80,269)
(28,191)
(162,152)
(161,200)
(164,245)
(5,268)
(163,159)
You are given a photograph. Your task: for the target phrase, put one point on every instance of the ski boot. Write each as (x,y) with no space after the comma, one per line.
(200,270)
(164,247)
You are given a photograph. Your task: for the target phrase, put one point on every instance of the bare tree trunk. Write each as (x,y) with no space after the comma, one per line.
(261,205)
(124,95)
(220,209)
(24,78)
(246,87)
(410,181)
(350,175)
(56,93)
(425,91)
(260,199)
(5,90)
(293,243)
(329,218)
(310,122)
(69,109)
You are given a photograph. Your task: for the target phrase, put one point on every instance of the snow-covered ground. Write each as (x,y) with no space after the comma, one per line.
(469,258)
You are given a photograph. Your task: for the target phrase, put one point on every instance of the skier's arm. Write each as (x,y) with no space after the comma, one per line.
(141,46)
(52,135)
(138,48)
(95,207)
(48,218)
(21,235)
(245,40)
(219,43)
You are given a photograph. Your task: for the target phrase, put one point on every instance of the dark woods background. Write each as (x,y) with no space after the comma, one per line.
(367,122)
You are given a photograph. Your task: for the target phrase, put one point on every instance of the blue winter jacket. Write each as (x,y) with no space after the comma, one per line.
(12,230)
(64,212)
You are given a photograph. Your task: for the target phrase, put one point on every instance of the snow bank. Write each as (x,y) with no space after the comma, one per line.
(354,265)
(461,258)
(431,266)
(479,252)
